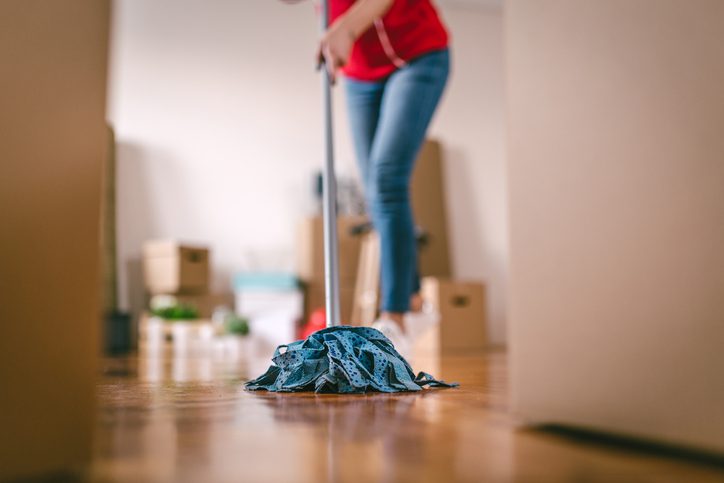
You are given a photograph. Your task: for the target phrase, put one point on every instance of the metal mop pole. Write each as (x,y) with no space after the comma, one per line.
(331,265)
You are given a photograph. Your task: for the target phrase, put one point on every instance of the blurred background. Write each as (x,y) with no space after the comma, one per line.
(217,109)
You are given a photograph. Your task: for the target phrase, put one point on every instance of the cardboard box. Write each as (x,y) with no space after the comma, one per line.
(310,249)
(367,285)
(428,203)
(462,313)
(171,268)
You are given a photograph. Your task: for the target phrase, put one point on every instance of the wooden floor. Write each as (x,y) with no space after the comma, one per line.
(190,420)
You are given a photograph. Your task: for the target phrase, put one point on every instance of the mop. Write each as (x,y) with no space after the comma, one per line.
(338,359)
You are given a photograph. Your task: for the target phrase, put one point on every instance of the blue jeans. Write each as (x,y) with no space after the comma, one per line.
(389,119)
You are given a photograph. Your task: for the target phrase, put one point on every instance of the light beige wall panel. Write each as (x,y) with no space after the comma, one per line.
(52,143)
(616,111)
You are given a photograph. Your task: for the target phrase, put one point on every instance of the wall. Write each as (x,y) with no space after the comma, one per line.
(617,210)
(218,119)
(470,125)
(53,92)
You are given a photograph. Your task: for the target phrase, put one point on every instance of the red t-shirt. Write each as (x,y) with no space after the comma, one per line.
(410,28)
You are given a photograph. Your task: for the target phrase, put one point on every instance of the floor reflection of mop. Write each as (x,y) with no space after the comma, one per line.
(372,428)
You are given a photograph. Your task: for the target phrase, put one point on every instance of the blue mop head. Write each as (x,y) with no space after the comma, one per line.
(345,360)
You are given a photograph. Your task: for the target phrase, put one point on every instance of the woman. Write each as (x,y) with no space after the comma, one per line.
(394,56)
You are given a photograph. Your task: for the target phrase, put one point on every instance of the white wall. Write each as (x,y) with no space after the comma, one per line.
(217,110)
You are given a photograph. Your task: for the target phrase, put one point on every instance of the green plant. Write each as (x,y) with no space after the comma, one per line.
(236,325)
(176,312)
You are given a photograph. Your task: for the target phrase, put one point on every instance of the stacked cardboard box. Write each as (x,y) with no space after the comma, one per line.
(461,305)
(172,268)
(182,271)
(310,261)
(367,286)
(427,193)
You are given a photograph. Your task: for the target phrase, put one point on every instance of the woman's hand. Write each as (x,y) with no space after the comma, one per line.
(336,44)
(335,48)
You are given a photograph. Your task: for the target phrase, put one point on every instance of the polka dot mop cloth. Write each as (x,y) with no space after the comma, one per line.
(342,360)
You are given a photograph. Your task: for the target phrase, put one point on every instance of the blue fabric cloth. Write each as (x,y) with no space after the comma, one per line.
(389,119)
(342,360)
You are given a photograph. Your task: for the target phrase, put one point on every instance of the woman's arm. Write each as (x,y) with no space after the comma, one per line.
(336,44)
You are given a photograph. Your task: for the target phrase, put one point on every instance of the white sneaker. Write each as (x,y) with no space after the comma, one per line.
(417,323)
(393,332)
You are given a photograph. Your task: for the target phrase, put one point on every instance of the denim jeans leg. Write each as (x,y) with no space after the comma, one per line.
(389,119)
(410,98)
(364,100)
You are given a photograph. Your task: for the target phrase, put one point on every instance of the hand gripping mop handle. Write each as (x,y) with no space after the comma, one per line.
(329,197)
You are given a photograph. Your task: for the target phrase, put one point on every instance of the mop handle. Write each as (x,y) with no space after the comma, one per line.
(331,267)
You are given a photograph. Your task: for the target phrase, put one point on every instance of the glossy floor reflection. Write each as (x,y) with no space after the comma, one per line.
(166,419)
